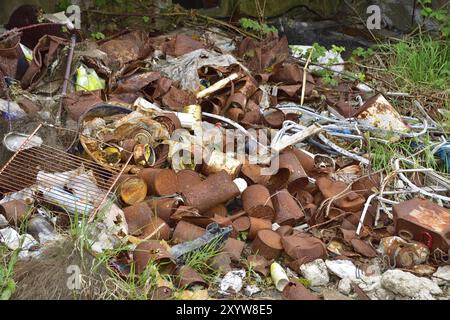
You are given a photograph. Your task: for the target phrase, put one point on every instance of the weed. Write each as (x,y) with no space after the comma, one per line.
(253,25)
(7,283)
(199,260)
(440,15)
(419,62)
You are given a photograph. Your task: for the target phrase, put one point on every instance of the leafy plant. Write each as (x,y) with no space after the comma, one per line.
(363,53)
(440,15)
(253,25)
(97,35)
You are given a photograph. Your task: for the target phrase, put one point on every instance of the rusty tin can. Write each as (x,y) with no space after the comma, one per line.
(257,202)
(402,253)
(160,182)
(219,210)
(297,291)
(234,248)
(287,210)
(274,118)
(156,229)
(297,175)
(257,224)
(164,207)
(424,221)
(169,120)
(15,211)
(241,224)
(187,178)
(153,250)
(188,277)
(267,244)
(218,161)
(185,231)
(215,189)
(133,190)
(137,217)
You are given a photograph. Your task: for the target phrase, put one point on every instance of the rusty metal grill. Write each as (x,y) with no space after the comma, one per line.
(44,163)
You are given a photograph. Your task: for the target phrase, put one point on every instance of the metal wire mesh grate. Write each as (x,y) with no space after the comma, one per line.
(50,175)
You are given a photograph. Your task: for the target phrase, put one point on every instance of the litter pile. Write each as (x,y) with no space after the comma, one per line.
(184,144)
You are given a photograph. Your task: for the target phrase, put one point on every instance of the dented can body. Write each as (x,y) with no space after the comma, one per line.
(160,182)
(424,221)
(215,189)
(257,202)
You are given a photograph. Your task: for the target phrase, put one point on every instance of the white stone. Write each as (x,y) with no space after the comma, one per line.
(316,272)
(442,275)
(380,293)
(345,286)
(343,269)
(408,285)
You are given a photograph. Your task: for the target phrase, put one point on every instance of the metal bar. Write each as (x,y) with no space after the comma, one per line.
(92,216)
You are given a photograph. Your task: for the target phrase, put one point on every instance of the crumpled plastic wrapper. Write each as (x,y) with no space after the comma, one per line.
(184,68)
(232,282)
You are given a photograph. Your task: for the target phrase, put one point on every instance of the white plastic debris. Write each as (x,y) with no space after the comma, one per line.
(442,275)
(13,140)
(12,239)
(279,276)
(333,58)
(408,285)
(184,68)
(3,222)
(26,255)
(251,290)
(364,87)
(316,272)
(13,110)
(232,282)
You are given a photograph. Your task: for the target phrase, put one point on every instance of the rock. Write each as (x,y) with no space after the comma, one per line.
(330,294)
(342,268)
(408,285)
(345,269)
(345,286)
(316,272)
(381,293)
(442,275)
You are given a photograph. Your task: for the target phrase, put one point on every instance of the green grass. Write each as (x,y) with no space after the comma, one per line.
(199,260)
(419,62)
(419,151)
(7,264)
